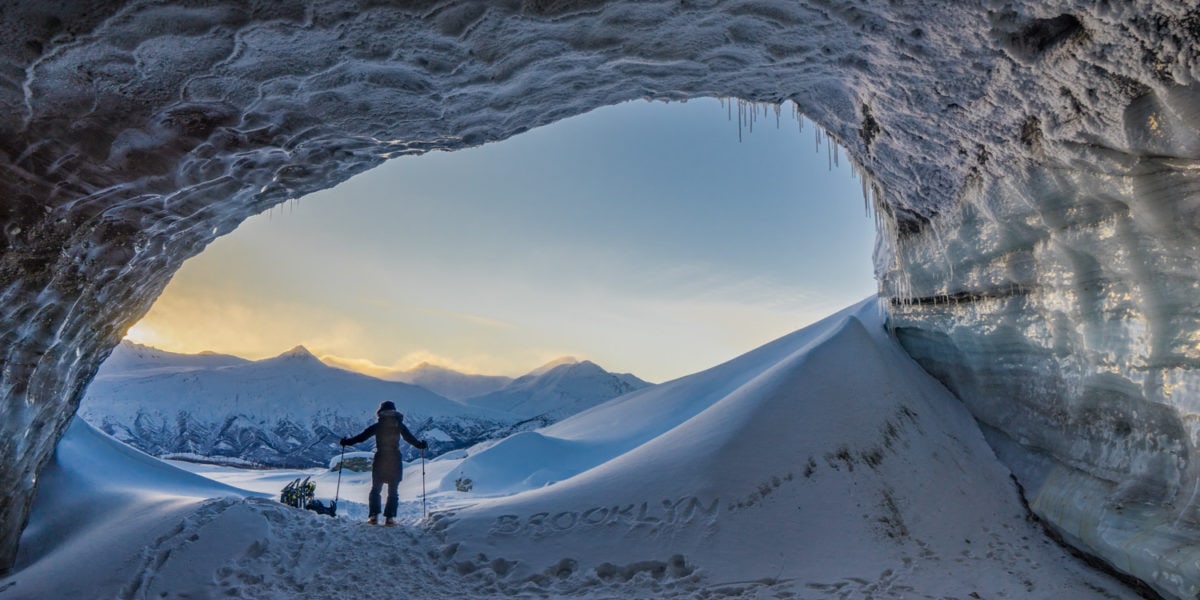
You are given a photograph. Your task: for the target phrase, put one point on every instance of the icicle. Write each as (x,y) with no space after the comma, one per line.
(866,194)
(740,119)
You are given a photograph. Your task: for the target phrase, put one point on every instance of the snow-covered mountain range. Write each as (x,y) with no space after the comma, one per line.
(290,410)
(558,390)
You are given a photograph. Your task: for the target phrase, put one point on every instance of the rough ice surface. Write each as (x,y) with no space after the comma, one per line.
(1068,324)
(1032,164)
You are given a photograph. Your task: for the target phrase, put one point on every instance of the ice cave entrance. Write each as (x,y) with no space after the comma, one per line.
(652,238)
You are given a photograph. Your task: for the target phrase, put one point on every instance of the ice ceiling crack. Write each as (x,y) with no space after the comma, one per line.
(1035,163)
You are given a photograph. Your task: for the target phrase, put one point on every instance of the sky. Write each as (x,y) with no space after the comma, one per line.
(644,237)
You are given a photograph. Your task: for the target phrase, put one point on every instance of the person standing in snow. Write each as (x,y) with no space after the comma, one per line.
(387,468)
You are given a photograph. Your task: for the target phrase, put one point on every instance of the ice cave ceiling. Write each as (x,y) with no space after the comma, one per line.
(1034,166)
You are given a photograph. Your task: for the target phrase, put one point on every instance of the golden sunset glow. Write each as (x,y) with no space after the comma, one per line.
(642,237)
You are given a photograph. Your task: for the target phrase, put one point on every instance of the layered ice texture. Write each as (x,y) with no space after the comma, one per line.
(1060,303)
(1033,166)
(1068,324)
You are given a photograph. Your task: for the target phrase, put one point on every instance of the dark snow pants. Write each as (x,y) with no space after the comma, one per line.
(386,470)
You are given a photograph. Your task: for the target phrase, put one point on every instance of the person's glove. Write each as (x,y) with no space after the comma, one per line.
(344,442)
(423,445)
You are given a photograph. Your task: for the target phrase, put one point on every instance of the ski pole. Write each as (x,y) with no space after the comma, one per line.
(423,513)
(341,463)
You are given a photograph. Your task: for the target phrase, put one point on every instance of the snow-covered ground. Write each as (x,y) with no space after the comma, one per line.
(823,465)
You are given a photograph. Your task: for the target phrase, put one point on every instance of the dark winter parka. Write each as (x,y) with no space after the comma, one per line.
(387,431)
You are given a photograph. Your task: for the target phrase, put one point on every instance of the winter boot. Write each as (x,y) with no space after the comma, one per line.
(390,522)
(373,520)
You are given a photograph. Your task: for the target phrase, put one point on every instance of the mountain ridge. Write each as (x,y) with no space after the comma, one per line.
(448,382)
(559,389)
(289,410)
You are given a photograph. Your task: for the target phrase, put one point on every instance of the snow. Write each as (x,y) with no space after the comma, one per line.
(562,387)
(824,465)
(310,388)
(130,359)
(1032,167)
(101,507)
(290,410)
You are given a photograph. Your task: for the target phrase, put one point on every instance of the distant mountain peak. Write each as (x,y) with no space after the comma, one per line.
(428,366)
(298,352)
(554,364)
(449,382)
(131,359)
(559,388)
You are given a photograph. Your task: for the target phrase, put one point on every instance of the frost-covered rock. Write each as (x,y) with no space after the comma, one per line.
(360,462)
(1032,165)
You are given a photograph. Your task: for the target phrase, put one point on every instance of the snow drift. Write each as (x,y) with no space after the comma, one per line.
(824,464)
(1032,166)
(101,512)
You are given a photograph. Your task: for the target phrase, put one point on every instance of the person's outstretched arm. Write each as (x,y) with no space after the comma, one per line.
(410,438)
(358,439)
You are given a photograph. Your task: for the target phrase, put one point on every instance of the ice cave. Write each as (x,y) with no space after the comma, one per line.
(1034,168)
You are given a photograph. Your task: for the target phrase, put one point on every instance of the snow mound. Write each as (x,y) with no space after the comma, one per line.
(522,461)
(100,507)
(824,462)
